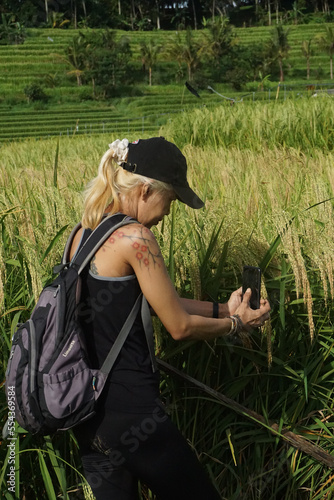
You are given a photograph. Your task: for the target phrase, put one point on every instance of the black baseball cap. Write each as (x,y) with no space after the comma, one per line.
(161,160)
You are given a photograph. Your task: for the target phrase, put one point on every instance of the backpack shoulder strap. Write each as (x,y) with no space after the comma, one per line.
(92,240)
(66,254)
(97,237)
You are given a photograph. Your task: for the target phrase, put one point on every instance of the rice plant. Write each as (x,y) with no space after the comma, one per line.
(304,125)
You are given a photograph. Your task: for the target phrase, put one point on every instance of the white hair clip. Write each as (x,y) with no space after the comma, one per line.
(120,149)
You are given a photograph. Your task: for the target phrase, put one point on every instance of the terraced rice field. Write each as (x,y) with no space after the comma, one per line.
(135,115)
(41,58)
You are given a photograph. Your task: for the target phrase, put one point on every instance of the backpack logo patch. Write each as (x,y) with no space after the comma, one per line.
(66,353)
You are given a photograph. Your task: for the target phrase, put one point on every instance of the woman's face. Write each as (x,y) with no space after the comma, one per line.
(154,206)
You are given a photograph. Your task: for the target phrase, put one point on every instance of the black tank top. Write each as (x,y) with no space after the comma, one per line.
(105,305)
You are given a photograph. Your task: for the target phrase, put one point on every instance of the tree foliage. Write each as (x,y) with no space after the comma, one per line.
(154,14)
(326,42)
(218,43)
(11,31)
(149,54)
(278,47)
(100,58)
(34,92)
(307,51)
(185,50)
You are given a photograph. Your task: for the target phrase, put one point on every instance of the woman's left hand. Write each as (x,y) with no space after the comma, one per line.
(234,301)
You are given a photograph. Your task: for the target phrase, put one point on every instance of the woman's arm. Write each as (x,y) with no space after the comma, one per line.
(205,308)
(140,251)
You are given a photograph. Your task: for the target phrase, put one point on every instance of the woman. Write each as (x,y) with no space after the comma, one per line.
(131,438)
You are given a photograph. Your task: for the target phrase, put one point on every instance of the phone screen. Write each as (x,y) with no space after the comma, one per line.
(251,278)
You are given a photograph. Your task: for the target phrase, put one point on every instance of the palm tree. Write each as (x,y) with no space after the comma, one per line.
(296,12)
(278,47)
(185,50)
(307,52)
(194,12)
(149,54)
(218,40)
(84,8)
(326,42)
(75,57)
(74,13)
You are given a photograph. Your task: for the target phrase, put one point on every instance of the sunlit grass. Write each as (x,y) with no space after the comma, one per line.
(305,125)
(267,203)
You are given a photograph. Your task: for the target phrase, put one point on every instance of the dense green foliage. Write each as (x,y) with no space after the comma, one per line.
(152,14)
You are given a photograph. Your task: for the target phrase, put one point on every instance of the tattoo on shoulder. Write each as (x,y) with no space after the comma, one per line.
(147,253)
(93,267)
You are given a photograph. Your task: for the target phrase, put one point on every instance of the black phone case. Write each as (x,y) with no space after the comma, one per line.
(251,278)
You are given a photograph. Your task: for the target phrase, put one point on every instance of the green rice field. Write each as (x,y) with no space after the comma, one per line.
(265,170)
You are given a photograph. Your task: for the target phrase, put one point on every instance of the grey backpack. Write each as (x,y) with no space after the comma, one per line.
(48,374)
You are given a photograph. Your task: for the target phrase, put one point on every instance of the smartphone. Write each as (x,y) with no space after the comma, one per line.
(251,278)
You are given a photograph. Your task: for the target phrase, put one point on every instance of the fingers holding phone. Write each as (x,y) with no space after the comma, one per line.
(253,310)
(252,318)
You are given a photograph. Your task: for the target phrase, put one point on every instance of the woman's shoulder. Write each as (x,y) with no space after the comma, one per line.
(133,236)
(129,243)
(137,244)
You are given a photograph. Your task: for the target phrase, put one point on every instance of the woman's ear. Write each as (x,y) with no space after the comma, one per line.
(146,191)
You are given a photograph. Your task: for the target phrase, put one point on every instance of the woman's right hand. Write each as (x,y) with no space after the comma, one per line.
(252,318)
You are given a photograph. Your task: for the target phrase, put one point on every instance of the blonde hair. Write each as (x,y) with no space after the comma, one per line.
(106,188)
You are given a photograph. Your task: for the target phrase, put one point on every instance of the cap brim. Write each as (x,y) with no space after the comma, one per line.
(187,196)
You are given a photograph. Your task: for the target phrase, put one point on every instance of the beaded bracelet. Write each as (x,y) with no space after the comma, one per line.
(237,325)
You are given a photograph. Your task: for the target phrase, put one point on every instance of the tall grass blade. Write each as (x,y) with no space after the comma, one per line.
(282,292)
(269,255)
(4,469)
(55,166)
(51,495)
(53,242)
(57,465)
